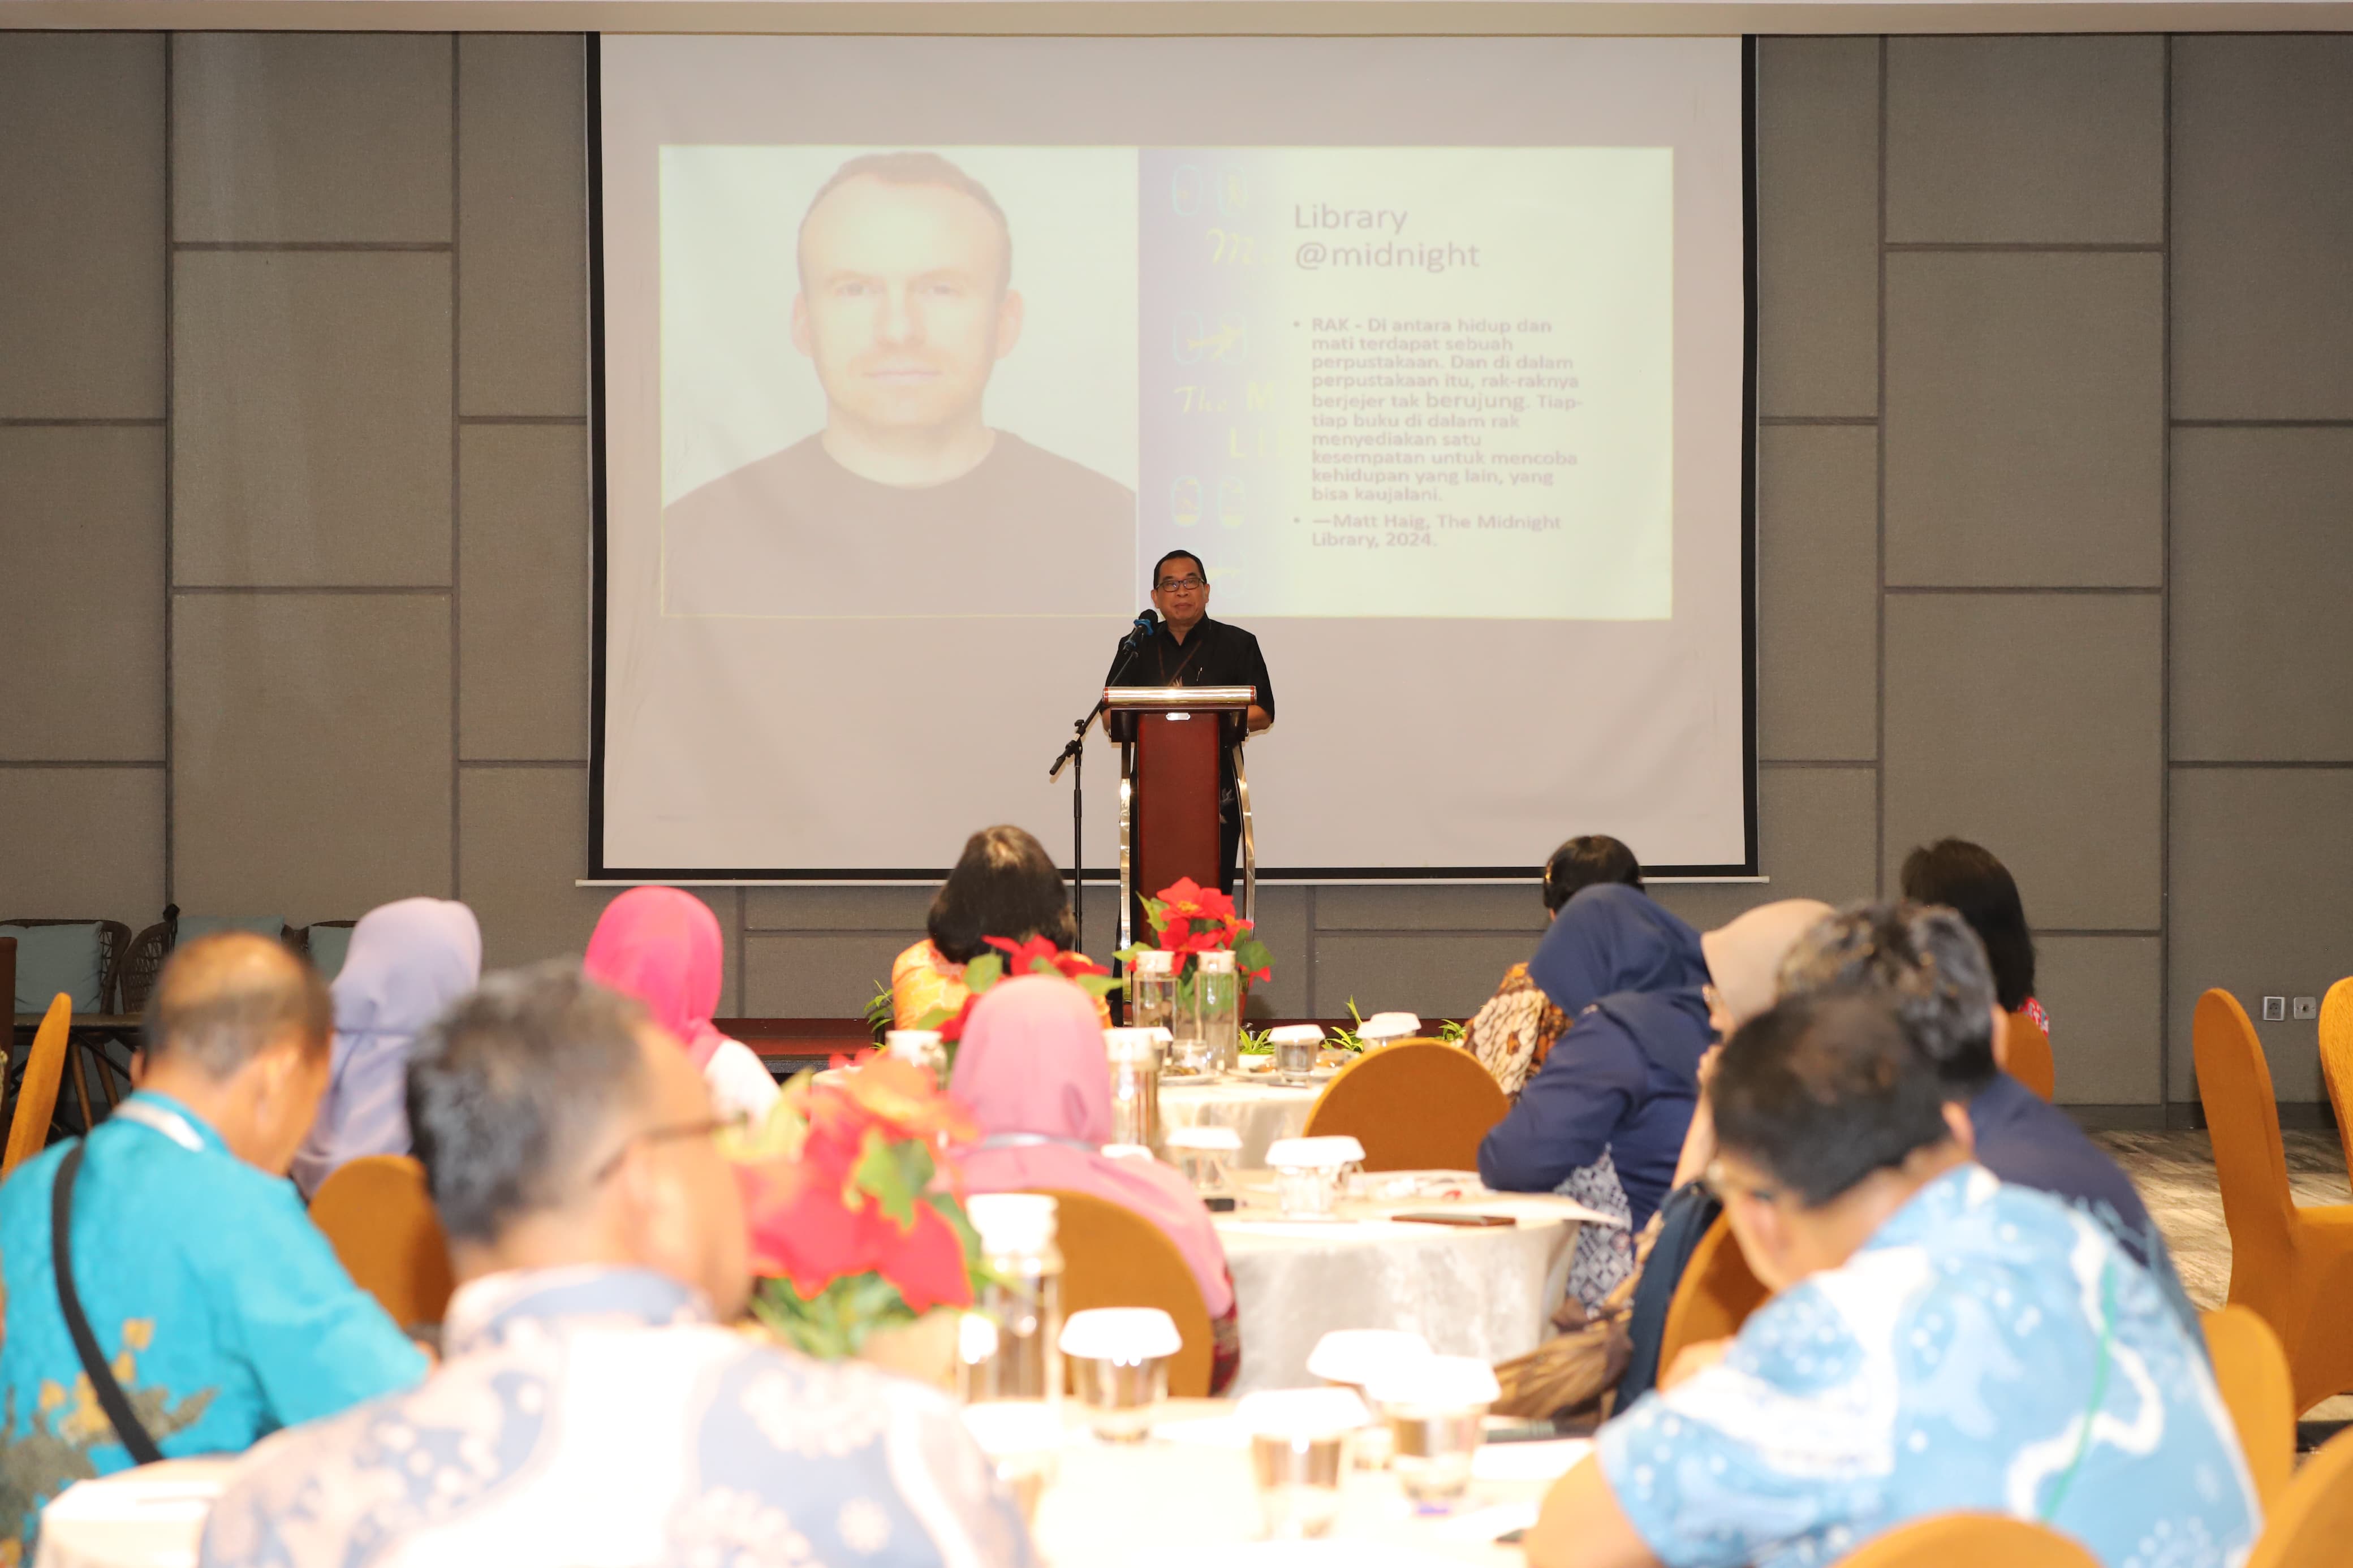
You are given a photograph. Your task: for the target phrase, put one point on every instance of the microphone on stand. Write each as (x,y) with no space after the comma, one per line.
(1146,625)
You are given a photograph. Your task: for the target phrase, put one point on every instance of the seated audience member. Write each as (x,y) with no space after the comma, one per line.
(1030,1069)
(1941,1342)
(408,961)
(1513,1031)
(1744,957)
(1005,885)
(1927,964)
(1603,1119)
(592,1405)
(1967,876)
(215,1305)
(661,946)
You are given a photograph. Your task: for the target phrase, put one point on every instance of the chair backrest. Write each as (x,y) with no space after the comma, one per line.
(2028,1052)
(1114,1257)
(1715,1297)
(37,1096)
(2314,1521)
(2235,1085)
(1417,1105)
(2337,1059)
(2251,1369)
(113,940)
(1971,1541)
(378,1216)
(141,962)
(8,976)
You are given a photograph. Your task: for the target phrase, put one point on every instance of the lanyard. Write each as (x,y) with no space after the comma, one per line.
(158,1119)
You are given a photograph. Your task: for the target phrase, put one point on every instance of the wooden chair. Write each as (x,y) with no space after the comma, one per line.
(37,1096)
(1715,1297)
(2336,1061)
(1417,1105)
(2252,1372)
(2314,1521)
(379,1218)
(2029,1050)
(1971,1541)
(1114,1257)
(2293,1266)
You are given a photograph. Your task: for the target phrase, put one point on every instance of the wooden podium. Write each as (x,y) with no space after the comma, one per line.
(1170,738)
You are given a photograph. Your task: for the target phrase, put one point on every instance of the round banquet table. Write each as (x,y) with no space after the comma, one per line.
(146,1518)
(1261,1112)
(1488,1293)
(1185,1497)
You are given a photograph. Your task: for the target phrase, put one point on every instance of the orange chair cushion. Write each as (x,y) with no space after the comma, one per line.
(1114,1257)
(377,1214)
(2029,1050)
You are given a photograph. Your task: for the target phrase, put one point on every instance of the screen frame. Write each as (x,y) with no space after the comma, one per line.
(599,871)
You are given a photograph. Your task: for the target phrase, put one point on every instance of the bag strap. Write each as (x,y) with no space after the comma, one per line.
(111,1398)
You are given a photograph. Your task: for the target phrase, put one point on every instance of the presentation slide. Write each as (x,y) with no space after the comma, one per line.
(920,354)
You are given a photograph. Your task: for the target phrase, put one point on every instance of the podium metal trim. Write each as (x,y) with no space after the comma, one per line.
(1250,839)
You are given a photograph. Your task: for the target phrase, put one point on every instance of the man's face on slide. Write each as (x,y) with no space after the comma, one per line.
(904,306)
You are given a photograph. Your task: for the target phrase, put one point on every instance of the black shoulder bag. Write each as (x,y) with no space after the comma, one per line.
(111,1398)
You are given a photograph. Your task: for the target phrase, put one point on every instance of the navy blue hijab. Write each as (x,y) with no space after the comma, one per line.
(1625,1075)
(1616,948)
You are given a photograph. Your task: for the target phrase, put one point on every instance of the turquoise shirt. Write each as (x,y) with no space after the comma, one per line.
(220,1306)
(1989,1349)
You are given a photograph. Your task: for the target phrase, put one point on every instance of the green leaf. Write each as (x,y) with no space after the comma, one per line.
(882,1174)
(984,972)
(1098,984)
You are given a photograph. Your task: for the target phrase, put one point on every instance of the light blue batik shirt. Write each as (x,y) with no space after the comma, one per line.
(1988,1350)
(221,1309)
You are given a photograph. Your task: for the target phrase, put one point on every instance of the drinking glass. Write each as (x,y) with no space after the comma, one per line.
(1299,1453)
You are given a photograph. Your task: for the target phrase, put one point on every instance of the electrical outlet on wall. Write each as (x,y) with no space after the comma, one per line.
(2275,1009)
(2305,1008)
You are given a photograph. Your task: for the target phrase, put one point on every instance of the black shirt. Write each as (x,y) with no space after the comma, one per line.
(1212,654)
(1026,532)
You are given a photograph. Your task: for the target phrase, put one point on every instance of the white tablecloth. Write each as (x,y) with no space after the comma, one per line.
(1260,1112)
(148,1518)
(1489,1293)
(1186,1499)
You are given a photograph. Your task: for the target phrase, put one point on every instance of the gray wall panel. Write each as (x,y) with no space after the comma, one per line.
(815,975)
(1818,225)
(311,137)
(2031,723)
(1436,974)
(2263,228)
(2106,1004)
(2025,419)
(98,848)
(311,742)
(2263,569)
(523,608)
(522,292)
(1818,593)
(82,595)
(2260,858)
(2041,138)
(81,226)
(311,441)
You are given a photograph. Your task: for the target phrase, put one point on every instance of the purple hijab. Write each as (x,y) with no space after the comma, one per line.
(408,961)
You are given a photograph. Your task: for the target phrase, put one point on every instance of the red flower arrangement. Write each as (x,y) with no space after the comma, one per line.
(1037,956)
(1188,919)
(849,1187)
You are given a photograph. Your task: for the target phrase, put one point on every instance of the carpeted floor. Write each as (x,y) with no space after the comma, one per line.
(2175,1173)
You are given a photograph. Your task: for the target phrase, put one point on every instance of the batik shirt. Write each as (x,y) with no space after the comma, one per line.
(1988,1350)
(220,1307)
(597,1416)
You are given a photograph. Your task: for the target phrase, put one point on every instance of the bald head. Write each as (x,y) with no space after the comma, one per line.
(225,999)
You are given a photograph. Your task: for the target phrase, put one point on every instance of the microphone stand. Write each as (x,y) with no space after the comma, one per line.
(1073,755)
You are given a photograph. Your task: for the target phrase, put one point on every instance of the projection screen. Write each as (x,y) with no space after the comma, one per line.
(915,354)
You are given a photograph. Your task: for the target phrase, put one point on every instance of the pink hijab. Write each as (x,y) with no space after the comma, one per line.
(662,946)
(1031,1069)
